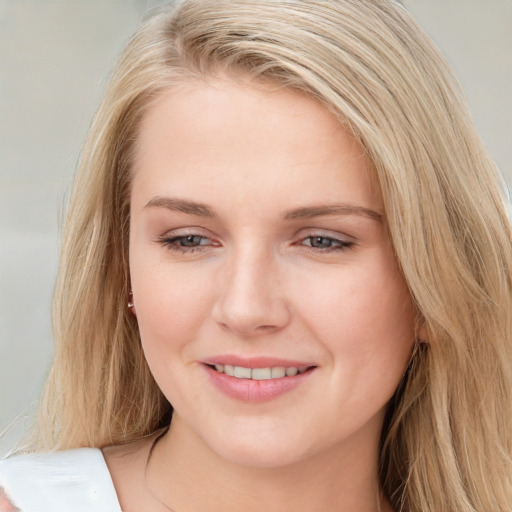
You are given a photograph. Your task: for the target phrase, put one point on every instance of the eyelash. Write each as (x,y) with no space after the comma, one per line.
(173,243)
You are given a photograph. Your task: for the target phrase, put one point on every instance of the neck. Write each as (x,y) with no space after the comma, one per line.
(184,474)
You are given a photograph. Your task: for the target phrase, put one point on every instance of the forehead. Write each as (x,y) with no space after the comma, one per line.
(247,138)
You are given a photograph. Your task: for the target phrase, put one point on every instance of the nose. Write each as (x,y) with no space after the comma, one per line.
(251,301)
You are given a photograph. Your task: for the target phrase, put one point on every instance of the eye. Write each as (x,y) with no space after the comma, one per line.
(186,243)
(319,242)
(190,240)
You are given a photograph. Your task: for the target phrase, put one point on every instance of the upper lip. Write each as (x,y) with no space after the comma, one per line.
(256,361)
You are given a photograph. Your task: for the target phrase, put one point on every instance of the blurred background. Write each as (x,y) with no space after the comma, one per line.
(55,56)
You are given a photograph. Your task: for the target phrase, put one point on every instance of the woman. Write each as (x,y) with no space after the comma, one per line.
(285,233)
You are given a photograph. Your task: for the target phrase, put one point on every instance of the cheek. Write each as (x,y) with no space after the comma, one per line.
(364,318)
(171,304)
(170,315)
(373,302)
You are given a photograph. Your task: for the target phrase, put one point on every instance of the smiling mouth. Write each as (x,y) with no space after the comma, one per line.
(268,373)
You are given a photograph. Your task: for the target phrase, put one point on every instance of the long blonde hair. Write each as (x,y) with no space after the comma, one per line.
(447,441)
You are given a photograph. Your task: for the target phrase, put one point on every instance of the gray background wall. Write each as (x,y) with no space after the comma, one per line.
(54,57)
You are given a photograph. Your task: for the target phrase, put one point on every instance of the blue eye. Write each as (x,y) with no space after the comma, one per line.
(185,243)
(190,240)
(326,242)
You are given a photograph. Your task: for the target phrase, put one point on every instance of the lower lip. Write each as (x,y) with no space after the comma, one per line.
(255,391)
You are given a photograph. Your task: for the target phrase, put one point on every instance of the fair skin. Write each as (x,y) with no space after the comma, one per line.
(257,240)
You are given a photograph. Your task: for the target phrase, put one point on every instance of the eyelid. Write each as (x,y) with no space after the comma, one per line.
(186,231)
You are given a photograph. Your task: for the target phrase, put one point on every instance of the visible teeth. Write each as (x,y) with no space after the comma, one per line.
(261,373)
(276,372)
(242,373)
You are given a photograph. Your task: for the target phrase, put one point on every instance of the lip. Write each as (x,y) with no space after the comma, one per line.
(255,391)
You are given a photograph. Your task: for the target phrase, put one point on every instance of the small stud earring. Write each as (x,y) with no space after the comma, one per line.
(131,304)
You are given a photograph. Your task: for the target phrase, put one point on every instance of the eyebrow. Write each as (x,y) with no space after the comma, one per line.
(311,212)
(181,205)
(306,212)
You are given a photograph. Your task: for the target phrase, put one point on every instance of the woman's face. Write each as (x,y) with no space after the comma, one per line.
(257,244)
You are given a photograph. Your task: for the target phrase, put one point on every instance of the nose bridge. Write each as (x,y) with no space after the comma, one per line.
(251,299)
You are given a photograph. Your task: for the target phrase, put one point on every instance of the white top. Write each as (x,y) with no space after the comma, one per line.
(66,481)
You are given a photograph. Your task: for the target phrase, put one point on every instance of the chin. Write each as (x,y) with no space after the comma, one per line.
(266,458)
(259,448)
